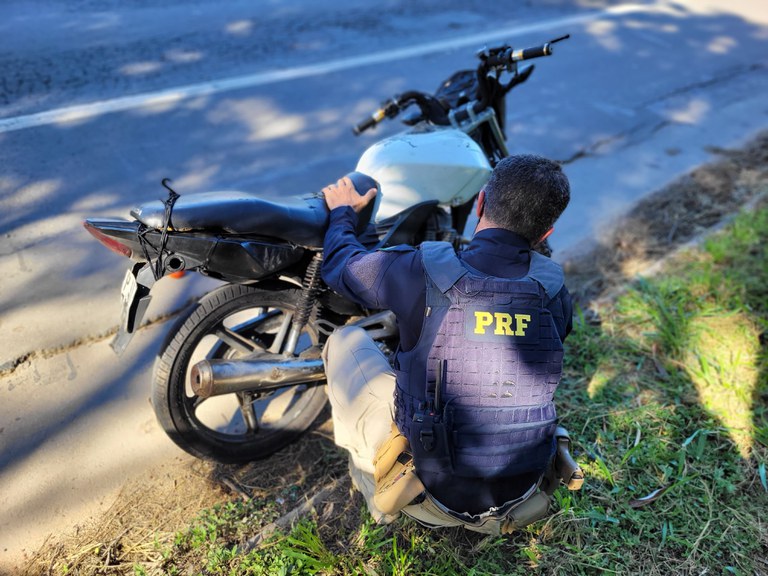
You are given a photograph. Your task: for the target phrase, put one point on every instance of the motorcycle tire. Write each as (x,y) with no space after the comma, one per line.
(233,321)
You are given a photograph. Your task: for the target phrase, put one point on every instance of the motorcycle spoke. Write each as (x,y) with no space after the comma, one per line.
(197,401)
(236,341)
(285,326)
(247,409)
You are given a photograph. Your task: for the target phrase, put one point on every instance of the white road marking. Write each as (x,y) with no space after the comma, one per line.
(175,95)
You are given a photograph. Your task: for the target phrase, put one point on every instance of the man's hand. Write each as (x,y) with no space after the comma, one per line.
(343,193)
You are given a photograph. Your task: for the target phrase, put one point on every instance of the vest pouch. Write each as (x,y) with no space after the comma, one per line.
(399,486)
(533,509)
(429,442)
(388,452)
(566,468)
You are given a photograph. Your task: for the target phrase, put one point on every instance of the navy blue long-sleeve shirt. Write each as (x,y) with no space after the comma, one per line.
(394,279)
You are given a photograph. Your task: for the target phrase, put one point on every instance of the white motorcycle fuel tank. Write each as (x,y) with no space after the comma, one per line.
(424,163)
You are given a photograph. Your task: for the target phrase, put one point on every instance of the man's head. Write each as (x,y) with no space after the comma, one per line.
(525,194)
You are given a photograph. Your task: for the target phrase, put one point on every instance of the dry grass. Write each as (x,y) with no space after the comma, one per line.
(675,215)
(147,513)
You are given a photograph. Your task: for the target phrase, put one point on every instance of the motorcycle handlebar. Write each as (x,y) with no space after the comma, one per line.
(434,110)
(428,105)
(388,109)
(510,56)
(528,53)
(369,122)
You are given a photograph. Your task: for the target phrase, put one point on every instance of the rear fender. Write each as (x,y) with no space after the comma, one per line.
(230,258)
(125,232)
(182,251)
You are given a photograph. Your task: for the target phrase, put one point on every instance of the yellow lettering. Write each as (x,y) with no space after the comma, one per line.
(503,321)
(482,321)
(504,324)
(521,320)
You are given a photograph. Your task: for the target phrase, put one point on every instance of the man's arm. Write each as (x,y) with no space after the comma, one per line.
(384,279)
(348,267)
(561,307)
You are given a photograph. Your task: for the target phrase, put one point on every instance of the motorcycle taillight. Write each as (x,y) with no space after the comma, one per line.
(108,241)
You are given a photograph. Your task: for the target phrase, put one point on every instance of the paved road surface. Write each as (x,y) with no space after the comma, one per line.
(99,102)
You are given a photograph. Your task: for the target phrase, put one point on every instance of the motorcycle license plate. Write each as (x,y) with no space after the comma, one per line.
(128,293)
(134,300)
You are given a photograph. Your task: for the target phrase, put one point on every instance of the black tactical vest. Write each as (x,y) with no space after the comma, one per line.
(474,396)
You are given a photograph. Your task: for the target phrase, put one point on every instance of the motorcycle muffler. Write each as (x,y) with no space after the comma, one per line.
(216,377)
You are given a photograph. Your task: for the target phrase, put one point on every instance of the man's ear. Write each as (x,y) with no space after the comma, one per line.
(480,203)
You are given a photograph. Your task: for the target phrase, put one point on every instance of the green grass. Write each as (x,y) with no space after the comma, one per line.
(668,392)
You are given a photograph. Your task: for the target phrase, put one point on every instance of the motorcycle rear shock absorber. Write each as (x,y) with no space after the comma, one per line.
(312,285)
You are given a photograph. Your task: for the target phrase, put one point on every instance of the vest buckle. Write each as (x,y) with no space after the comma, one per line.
(427,438)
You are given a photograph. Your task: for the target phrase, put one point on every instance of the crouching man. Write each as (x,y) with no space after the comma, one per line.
(461,428)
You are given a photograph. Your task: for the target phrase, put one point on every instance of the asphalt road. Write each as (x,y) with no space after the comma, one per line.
(100,100)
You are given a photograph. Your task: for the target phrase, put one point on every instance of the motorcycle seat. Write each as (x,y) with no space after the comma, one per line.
(300,221)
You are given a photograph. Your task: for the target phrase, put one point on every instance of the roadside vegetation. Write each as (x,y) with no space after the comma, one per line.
(665,395)
(666,400)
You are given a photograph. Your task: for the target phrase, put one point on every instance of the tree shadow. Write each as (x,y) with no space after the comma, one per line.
(667,395)
(278,141)
(662,223)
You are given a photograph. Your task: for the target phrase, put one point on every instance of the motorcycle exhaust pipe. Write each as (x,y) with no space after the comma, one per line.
(216,377)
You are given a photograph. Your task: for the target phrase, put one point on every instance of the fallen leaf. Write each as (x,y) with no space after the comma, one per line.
(645,500)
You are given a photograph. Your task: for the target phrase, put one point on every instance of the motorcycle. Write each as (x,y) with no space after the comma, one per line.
(239,375)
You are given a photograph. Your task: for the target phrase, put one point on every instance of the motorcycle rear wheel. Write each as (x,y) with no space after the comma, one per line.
(230,322)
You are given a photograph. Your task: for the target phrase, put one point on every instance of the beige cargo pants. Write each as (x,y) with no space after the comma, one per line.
(361,387)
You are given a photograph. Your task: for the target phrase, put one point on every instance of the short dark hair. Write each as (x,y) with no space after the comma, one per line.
(526,194)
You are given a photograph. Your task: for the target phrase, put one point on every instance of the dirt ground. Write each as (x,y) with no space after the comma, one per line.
(150,511)
(681,213)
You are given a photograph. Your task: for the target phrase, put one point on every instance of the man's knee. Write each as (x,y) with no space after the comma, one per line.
(340,340)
